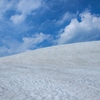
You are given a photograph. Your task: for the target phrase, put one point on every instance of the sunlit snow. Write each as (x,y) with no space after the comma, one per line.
(64,72)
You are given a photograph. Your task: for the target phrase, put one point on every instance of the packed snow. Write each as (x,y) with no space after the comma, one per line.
(64,72)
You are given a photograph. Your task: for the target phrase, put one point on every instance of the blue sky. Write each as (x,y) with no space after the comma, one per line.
(31,24)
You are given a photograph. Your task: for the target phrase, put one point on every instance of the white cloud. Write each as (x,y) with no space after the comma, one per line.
(21,7)
(25,7)
(33,41)
(4,6)
(17,19)
(67,16)
(28,43)
(87,29)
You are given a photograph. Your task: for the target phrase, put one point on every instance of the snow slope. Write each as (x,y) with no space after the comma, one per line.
(64,72)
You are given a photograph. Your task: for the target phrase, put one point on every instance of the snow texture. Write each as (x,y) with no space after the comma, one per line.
(64,72)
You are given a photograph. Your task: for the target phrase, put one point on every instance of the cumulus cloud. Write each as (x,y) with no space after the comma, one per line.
(32,42)
(85,30)
(21,7)
(14,46)
(25,7)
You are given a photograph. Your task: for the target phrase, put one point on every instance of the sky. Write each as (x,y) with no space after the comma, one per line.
(32,24)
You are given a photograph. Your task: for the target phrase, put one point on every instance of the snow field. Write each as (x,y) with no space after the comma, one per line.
(66,72)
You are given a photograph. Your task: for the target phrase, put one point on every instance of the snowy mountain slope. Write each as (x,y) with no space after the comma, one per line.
(64,72)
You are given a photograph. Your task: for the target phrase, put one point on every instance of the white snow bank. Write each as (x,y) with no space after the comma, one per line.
(65,72)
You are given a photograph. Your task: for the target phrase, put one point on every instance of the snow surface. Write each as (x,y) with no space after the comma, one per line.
(65,72)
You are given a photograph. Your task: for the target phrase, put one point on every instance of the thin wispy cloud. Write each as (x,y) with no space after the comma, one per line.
(5,5)
(66,17)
